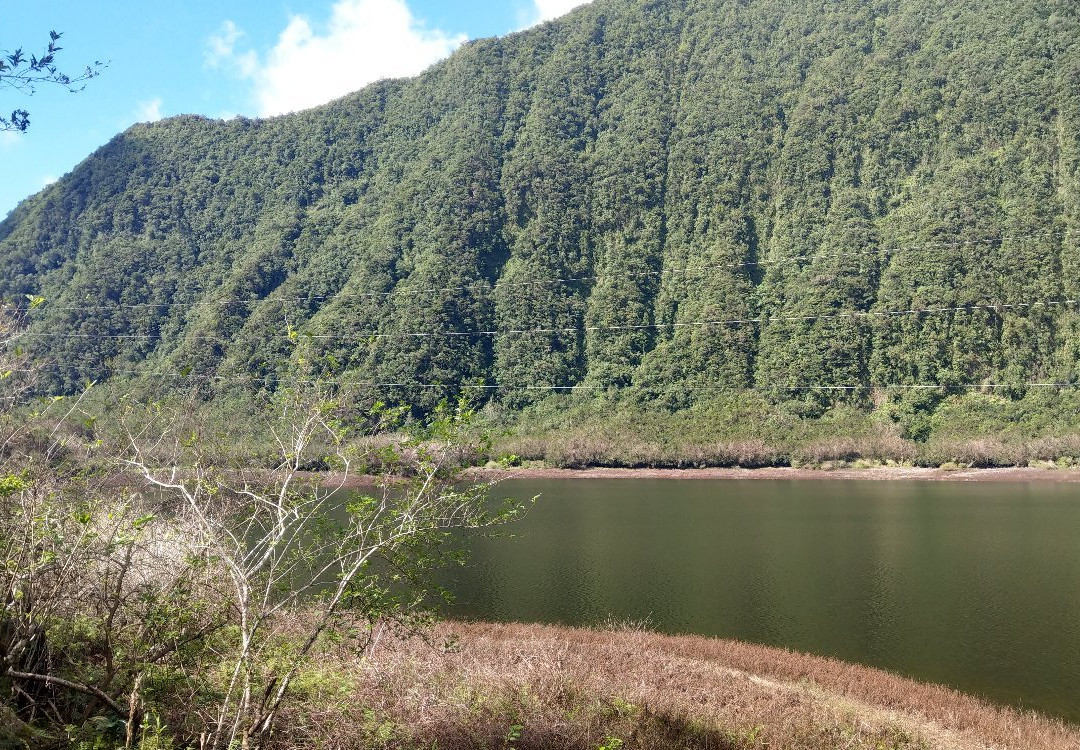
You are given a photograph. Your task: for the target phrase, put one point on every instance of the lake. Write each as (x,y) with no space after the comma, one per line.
(973,585)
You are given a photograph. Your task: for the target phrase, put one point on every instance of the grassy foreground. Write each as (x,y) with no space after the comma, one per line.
(539,687)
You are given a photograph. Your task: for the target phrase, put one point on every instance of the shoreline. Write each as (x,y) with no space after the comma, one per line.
(1018,475)
(879,473)
(705,692)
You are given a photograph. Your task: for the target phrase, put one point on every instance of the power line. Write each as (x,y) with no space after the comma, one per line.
(688,270)
(419,385)
(997,307)
(851,315)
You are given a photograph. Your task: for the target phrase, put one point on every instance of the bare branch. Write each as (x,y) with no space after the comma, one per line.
(69,685)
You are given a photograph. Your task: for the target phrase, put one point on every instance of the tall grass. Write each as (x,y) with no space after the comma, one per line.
(551,688)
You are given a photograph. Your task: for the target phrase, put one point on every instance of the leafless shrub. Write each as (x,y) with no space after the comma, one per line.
(579,451)
(751,453)
(981,453)
(883,444)
(281,541)
(1054,447)
(991,452)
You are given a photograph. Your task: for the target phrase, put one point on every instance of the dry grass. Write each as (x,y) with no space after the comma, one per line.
(883,444)
(629,446)
(587,448)
(537,687)
(1002,451)
(593,447)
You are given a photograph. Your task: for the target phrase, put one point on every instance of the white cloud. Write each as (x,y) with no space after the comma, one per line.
(222,45)
(363,41)
(221,51)
(9,138)
(49,180)
(548,9)
(149,111)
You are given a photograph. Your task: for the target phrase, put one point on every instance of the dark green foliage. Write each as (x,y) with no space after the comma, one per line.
(679,199)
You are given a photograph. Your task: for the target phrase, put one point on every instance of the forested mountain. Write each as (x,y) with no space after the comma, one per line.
(671,197)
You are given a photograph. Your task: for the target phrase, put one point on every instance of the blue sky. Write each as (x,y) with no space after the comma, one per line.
(220,59)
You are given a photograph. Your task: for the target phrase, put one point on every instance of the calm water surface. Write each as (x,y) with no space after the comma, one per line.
(971,585)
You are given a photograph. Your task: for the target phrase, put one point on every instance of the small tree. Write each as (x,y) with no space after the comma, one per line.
(211,583)
(25,74)
(298,549)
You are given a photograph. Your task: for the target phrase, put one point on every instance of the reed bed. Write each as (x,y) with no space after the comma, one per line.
(595,446)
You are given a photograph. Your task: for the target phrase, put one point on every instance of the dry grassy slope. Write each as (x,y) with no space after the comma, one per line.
(570,688)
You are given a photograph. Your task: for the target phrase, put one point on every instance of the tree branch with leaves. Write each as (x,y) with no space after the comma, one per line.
(26,72)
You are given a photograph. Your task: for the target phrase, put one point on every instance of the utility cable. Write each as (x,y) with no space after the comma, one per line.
(375,385)
(764,319)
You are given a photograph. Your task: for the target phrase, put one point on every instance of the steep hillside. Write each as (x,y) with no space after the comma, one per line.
(672,197)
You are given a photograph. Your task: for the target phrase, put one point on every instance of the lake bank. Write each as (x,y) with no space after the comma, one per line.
(782,473)
(878,473)
(580,689)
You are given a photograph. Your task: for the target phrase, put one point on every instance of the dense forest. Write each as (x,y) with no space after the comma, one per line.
(824,201)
